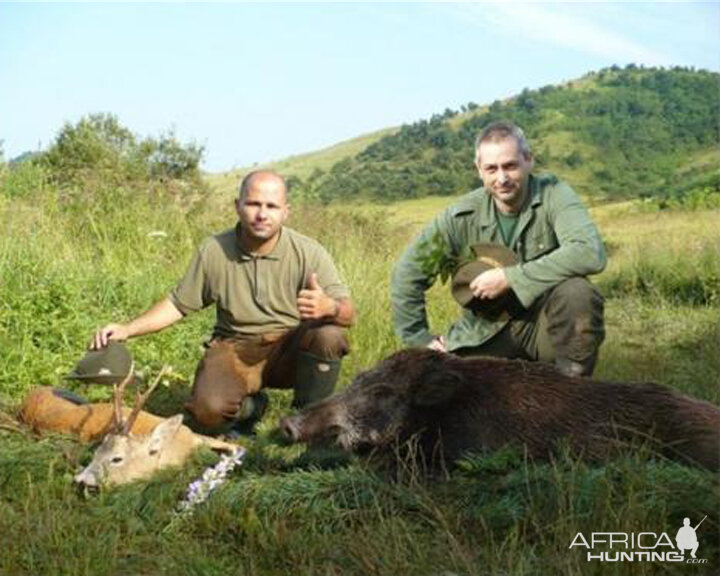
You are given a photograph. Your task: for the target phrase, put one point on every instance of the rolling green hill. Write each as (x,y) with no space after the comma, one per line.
(301,167)
(613,134)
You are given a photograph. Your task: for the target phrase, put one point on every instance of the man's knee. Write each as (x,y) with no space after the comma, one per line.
(576,296)
(209,411)
(220,386)
(327,341)
(575,325)
(579,306)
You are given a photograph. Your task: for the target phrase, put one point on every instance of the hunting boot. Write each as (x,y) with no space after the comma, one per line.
(315,378)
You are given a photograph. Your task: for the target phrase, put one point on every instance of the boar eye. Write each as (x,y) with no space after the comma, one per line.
(117,459)
(382,392)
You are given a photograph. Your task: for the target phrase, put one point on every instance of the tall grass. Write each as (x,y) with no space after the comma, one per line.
(71,263)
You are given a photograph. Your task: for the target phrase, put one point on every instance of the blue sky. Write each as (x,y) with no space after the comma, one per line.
(254,82)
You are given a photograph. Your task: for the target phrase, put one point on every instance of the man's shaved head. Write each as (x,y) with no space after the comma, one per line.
(262,209)
(257,176)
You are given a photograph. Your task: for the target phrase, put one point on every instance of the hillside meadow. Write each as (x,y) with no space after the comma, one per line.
(72,262)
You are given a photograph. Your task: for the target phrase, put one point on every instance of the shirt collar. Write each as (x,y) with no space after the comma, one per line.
(277,253)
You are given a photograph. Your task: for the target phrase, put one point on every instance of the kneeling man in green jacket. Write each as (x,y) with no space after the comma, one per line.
(521,248)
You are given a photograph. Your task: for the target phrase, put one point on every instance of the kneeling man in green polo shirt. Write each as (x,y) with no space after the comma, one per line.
(282,311)
(527,245)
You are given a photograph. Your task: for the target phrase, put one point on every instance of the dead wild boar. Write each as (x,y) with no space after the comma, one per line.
(452,405)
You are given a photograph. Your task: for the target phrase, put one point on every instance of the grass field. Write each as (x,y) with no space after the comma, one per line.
(68,265)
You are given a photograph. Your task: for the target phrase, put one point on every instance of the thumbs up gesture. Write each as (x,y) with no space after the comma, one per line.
(313,303)
(313,283)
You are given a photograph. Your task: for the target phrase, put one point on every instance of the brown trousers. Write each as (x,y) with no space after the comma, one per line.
(232,369)
(566,326)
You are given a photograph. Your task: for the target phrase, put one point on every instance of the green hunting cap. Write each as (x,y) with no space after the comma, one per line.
(487,257)
(108,365)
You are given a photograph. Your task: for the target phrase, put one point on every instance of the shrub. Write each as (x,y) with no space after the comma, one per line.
(166,157)
(98,152)
(97,145)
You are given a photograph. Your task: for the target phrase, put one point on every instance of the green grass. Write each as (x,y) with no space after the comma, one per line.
(68,265)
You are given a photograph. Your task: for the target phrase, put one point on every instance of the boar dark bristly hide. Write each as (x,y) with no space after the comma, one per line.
(480,404)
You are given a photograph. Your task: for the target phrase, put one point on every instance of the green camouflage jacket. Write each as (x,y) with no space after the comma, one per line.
(555,239)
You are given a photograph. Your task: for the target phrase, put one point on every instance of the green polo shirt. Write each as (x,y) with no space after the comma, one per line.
(255,294)
(554,239)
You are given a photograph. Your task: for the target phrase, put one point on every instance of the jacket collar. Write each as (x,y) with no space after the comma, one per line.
(481,203)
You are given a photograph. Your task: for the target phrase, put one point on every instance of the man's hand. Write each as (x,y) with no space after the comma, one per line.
(109,332)
(314,304)
(160,316)
(438,344)
(490,284)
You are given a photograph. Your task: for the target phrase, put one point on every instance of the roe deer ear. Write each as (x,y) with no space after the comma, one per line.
(436,387)
(163,433)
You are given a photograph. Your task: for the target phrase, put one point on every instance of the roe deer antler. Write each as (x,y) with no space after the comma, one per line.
(140,400)
(118,391)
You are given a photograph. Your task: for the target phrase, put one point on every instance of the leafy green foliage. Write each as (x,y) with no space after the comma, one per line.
(688,197)
(96,145)
(99,152)
(437,259)
(166,157)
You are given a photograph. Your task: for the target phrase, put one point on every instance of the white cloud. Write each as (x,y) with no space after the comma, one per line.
(565,25)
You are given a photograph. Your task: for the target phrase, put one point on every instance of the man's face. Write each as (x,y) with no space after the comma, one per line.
(263,208)
(505,171)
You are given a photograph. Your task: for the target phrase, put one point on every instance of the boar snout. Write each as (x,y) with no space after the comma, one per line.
(320,423)
(290,429)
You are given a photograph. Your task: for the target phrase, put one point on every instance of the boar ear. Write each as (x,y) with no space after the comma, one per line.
(436,388)
(163,433)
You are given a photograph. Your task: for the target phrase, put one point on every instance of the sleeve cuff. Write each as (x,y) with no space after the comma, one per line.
(184,310)
(516,280)
(418,340)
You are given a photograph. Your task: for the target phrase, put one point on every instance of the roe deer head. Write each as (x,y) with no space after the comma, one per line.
(125,457)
